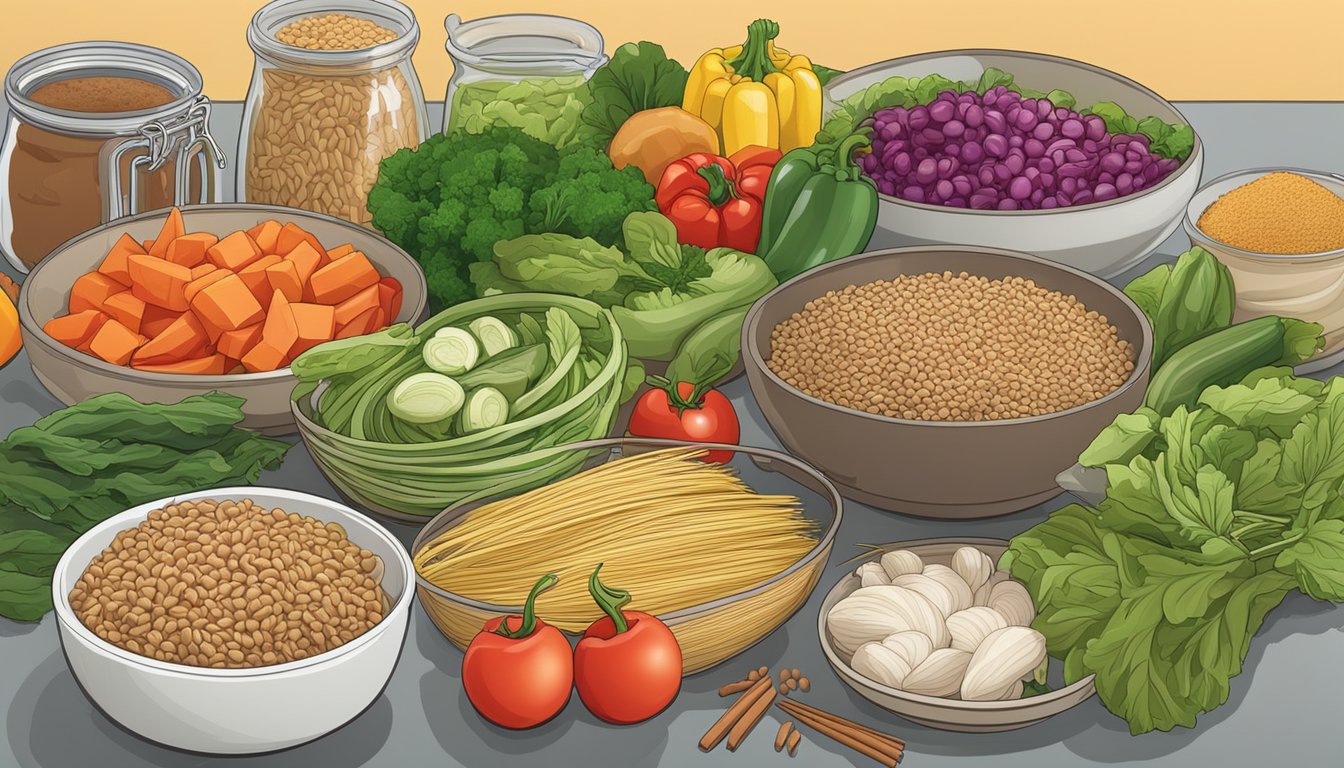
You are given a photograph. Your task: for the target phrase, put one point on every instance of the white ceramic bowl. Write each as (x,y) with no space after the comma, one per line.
(933,711)
(237,711)
(1104,239)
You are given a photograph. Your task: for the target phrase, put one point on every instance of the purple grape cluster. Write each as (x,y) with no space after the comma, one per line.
(1000,151)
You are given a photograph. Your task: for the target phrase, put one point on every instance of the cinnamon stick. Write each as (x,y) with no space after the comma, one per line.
(738,687)
(793,706)
(720,728)
(876,746)
(748,721)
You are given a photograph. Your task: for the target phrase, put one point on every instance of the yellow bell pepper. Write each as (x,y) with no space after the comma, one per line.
(756,93)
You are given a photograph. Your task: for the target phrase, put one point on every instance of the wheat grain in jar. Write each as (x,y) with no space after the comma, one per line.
(333,93)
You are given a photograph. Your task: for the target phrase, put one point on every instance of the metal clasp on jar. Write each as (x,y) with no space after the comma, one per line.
(185,139)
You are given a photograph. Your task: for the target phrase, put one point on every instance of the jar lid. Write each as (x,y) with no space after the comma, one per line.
(390,14)
(525,42)
(100,59)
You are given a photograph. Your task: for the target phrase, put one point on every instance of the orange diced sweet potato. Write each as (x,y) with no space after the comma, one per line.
(284,277)
(126,309)
(281,329)
(254,277)
(291,235)
(75,330)
(185,338)
(263,357)
(233,252)
(226,305)
(316,324)
(199,283)
(340,251)
(116,264)
(189,250)
(266,235)
(236,367)
(115,343)
(343,278)
(91,290)
(360,325)
(348,309)
(210,365)
(201,270)
(173,228)
(156,319)
(389,297)
(147,245)
(238,342)
(158,282)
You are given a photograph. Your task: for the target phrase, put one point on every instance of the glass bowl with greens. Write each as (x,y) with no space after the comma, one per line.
(409,421)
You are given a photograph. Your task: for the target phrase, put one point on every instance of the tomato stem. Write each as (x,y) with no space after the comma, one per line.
(529,624)
(674,398)
(609,600)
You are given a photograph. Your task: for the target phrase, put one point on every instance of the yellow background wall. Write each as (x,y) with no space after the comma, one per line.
(1184,49)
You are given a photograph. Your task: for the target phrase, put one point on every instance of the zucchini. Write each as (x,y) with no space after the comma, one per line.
(1219,359)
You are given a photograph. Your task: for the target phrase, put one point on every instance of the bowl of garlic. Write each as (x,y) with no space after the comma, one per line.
(932,631)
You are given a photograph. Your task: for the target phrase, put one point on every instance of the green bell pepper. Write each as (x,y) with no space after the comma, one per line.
(819,207)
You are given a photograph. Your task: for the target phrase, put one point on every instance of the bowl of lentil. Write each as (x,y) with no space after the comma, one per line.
(235,620)
(945,381)
(1280,231)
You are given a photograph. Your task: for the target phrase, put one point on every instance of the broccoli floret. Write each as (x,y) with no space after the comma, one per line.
(450,200)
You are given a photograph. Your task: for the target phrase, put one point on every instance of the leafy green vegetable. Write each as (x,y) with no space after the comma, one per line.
(81,465)
(1197,297)
(448,201)
(639,76)
(545,108)
(511,372)
(1211,516)
(825,74)
(1168,141)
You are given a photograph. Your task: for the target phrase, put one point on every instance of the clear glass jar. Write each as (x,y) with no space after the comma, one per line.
(522,70)
(74,159)
(318,122)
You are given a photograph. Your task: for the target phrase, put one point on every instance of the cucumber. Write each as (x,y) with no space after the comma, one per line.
(1219,359)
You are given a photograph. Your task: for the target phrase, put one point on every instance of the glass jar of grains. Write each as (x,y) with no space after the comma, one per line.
(97,131)
(527,71)
(333,93)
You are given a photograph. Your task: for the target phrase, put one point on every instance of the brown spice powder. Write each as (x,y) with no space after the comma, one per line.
(1278,213)
(102,95)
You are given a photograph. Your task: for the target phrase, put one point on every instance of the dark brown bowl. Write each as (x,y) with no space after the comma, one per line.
(939,469)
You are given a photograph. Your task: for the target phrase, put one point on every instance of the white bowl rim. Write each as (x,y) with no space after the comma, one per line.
(1191,220)
(66,616)
(1196,150)
(753,319)
(31,326)
(951,705)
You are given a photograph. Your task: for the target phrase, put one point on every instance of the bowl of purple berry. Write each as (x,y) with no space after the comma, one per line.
(1007,149)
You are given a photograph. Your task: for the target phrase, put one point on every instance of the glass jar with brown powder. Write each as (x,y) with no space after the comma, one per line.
(97,131)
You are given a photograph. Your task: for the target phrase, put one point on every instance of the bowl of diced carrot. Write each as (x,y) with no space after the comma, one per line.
(223,297)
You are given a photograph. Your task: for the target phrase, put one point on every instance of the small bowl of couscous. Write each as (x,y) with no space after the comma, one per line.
(945,381)
(1280,231)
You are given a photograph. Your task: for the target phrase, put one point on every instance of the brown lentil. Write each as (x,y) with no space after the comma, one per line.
(1279,213)
(334,32)
(950,347)
(783,734)
(184,586)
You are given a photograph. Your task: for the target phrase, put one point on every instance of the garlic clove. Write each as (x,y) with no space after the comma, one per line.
(860,619)
(901,562)
(957,587)
(940,674)
(973,566)
(912,646)
(1001,661)
(970,627)
(915,611)
(1012,600)
(932,589)
(872,574)
(880,664)
(981,596)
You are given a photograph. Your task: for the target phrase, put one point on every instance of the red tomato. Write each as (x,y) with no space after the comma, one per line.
(627,667)
(518,671)
(706,417)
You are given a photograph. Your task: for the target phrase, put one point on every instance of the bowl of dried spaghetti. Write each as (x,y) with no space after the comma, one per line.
(723,554)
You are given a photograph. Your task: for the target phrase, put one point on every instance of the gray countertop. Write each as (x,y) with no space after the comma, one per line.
(1283,706)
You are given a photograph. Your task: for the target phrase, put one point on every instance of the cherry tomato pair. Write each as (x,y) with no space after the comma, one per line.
(518,671)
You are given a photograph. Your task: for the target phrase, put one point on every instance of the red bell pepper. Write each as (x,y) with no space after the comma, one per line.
(627,667)
(715,201)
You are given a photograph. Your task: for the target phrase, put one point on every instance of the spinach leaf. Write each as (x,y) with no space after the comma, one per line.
(639,76)
(32,552)
(23,596)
